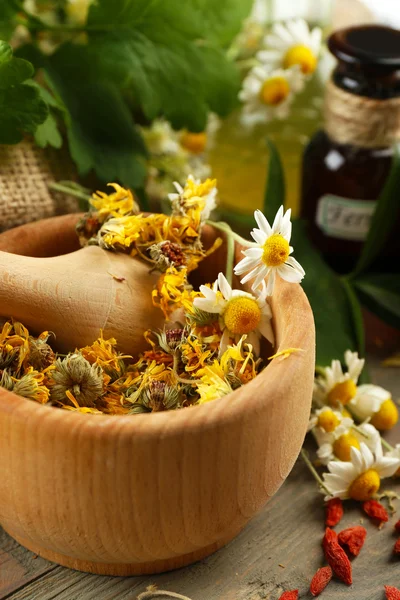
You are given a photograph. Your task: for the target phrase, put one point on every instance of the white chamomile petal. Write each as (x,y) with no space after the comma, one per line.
(368,400)
(268,94)
(241,313)
(360,477)
(292,44)
(271,256)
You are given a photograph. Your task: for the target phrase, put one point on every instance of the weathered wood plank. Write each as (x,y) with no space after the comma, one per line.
(18,567)
(280,549)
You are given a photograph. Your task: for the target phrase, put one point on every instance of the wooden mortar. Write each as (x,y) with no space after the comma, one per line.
(122,495)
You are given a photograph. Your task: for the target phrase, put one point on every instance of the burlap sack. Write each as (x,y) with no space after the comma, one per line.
(25,172)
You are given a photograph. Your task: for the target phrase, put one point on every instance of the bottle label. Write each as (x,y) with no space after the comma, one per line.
(343,218)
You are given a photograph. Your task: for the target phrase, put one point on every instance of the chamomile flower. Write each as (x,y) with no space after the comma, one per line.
(292,44)
(239,313)
(336,388)
(270,256)
(267,94)
(374,403)
(195,193)
(160,138)
(327,420)
(338,443)
(198,143)
(359,478)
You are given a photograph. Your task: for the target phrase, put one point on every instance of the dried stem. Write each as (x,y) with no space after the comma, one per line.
(313,471)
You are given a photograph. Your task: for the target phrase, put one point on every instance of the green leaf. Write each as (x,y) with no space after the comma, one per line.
(381,294)
(275,191)
(100,128)
(157,50)
(22,109)
(388,207)
(333,312)
(48,134)
(13,71)
(223,18)
(8,13)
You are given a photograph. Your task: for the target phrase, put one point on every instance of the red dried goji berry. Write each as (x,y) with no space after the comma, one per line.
(337,557)
(397,527)
(396,548)
(353,538)
(392,593)
(334,512)
(320,580)
(375,510)
(330,536)
(292,595)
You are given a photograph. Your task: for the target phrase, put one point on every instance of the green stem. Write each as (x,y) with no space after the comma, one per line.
(313,471)
(360,431)
(229,233)
(386,445)
(247,63)
(58,187)
(230,255)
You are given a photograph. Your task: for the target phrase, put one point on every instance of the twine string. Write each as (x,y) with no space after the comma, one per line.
(161,595)
(361,121)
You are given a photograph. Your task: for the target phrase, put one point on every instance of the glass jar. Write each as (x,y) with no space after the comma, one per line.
(346,164)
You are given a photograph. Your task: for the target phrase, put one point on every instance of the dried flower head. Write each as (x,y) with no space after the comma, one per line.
(41,354)
(167,254)
(31,386)
(75,374)
(170,339)
(87,228)
(157,396)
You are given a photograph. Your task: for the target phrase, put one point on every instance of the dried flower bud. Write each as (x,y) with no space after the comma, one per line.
(6,381)
(30,386)
(41,355)
(87,227)
(159,396)
(170,339)
(76,375)
(7,356)
(167,254)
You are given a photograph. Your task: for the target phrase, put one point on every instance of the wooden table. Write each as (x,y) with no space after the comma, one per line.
(280,549)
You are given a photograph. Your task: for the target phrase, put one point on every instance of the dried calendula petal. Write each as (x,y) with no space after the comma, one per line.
(320,580)
(396,549)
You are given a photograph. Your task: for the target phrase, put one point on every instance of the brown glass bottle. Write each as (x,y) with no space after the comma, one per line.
(346,165)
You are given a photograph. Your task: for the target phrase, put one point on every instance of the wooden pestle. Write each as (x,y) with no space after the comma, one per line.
(77,294)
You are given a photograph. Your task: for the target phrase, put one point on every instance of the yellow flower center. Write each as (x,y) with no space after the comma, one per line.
(343,445)
(194,142)
(342,392)
(274,91)
(302,56)
(242,315)
(275,250)
(328,421)
(387,416)
(365,486)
